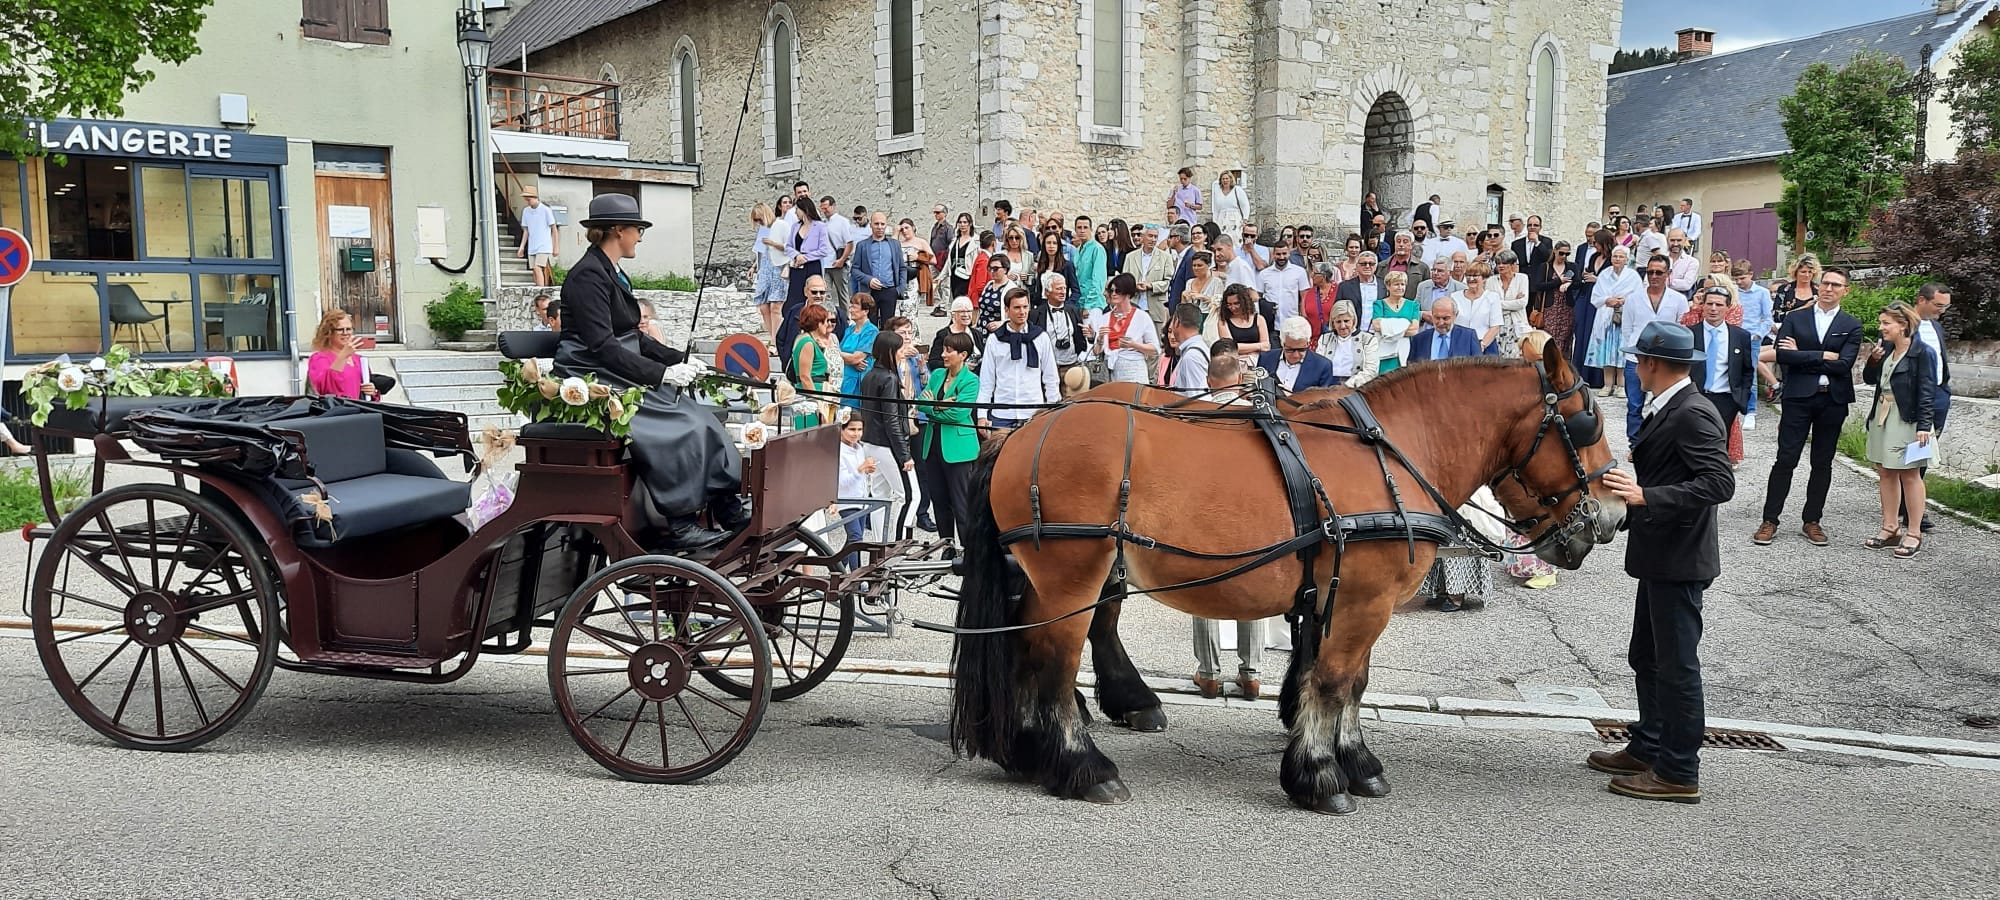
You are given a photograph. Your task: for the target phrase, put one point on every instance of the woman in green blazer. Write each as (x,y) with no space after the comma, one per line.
(950,443)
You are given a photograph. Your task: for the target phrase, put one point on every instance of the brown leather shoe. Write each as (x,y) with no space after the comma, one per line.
(1815,535)
(1252,689)
(1616,762)
(1209,687)
(1648,786)
(1766,533)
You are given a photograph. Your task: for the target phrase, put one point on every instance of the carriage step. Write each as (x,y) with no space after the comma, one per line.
(372,660)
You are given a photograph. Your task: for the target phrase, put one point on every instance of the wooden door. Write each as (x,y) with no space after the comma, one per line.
(1750,234)
(352,210)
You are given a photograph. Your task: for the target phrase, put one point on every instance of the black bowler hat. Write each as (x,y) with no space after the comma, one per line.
(1670,341)
(607,210)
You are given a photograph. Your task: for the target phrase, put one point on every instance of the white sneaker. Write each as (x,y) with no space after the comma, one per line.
(1750,422)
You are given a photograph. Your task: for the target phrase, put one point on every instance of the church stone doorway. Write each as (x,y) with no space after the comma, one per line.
(1389,158)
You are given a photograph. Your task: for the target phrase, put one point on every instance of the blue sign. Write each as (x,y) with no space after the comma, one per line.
(744,356)
(15,256)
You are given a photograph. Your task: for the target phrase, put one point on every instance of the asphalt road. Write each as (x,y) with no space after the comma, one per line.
(357,789)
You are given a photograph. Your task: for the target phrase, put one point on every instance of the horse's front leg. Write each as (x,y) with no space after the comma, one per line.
(1327,762)
(1121,693)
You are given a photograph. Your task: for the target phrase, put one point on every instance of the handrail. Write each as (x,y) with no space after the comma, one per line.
(515,73)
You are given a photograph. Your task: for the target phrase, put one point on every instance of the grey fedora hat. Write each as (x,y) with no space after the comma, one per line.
(1670,341)
(614,209)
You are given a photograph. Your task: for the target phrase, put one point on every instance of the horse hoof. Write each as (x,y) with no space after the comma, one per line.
(1149,719)
(1108,792)
(1370,787)
(1335,805)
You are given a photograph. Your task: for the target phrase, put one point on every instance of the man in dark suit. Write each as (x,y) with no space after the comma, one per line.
(1817,346)
(1363,289)
(1446,339)
(1535,250)
(1682,461)
(1292,362)
(1730,367)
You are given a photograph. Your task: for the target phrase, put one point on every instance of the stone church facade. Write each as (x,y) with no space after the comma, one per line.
(1090,106)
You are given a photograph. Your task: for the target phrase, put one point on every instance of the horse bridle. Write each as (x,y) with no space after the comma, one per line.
(1578,429)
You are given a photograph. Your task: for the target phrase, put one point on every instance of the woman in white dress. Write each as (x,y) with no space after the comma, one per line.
(1230,204)
(1615,284)
(1479,305)
(1512,286)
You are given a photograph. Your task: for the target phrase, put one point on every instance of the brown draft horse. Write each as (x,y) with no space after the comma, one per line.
(1462,423)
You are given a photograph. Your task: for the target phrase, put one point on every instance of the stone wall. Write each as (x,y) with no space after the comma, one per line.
(723,312)
(1282,88)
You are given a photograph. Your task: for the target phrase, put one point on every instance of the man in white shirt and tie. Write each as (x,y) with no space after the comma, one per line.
(1689,222)
(1726,376)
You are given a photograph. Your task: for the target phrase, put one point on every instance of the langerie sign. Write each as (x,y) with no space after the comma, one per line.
(147,141)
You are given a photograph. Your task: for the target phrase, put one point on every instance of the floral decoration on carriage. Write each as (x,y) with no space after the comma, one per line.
(578,399)
(118,373)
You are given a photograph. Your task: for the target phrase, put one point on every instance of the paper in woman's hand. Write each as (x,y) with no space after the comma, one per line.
(1919,451)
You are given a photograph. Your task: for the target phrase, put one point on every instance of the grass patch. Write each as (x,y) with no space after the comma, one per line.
(641,281)
(1965,496)
(21,496)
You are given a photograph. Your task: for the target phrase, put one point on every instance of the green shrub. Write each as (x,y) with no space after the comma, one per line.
(457,312)
(21,497)
(1866,303)
(557,273)
(668,282)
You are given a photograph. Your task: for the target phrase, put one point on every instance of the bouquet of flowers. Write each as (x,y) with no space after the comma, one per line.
(116,374)
(527,392)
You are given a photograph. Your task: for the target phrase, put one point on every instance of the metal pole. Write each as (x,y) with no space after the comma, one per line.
(489,231)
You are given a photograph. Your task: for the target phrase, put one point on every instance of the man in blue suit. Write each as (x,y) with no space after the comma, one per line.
(1297,368)
(1446,339)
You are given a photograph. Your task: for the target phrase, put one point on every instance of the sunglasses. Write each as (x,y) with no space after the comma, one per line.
(1653,272)
(815,293)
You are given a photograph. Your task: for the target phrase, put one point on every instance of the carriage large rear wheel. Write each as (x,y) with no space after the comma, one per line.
(623,660)
(807,623)
(155,616)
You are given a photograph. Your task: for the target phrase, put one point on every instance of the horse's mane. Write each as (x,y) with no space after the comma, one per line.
(1388,380)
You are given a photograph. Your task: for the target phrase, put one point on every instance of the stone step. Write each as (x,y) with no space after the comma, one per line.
(469,346)
(448,362)
(486,407)
(504,421)
(451,378)
(481,335)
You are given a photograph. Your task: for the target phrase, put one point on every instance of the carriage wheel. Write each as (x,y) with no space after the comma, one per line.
(808,628)
(622,665)
(154,616)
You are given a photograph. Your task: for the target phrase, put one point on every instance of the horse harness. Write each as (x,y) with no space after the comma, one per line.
(1311,613)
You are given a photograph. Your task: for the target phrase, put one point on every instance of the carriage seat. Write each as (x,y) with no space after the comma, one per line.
(373,488)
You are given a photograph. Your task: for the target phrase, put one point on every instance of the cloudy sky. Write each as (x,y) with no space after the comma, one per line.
(1744,23)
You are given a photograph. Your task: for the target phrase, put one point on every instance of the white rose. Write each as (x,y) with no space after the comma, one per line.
(574,391)
(70,379)
(97,364)
(754,435)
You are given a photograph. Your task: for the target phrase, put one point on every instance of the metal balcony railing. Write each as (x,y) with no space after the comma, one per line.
(536,103)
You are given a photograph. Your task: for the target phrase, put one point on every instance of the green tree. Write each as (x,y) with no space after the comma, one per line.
(1851,134)
(81,57)
(1972,90)
(1633,60)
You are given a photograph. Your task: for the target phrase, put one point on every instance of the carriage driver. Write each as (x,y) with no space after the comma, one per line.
(683,455)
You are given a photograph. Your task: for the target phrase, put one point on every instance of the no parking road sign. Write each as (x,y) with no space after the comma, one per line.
(15,257)
(744,356)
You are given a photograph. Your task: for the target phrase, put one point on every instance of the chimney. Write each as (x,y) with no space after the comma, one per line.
(1947,7)
(1695,42)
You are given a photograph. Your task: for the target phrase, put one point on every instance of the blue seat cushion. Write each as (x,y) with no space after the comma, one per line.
(373,504)
(342,447)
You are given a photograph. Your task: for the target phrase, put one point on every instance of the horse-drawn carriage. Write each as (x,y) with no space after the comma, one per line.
(318,535)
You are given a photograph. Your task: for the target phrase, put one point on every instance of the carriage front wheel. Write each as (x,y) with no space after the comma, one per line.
(155,616)
(623,666)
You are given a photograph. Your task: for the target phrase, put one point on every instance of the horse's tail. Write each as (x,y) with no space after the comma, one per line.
(984,714)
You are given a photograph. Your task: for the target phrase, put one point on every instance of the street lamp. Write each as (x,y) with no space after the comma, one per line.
(474,45)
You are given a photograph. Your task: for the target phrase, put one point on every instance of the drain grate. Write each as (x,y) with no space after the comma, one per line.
(1713,738)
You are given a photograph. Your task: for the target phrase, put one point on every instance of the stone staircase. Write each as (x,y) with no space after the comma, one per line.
(458,381)
(514,272)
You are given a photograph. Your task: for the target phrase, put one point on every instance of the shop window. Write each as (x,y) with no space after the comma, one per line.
(89,201)
(151,312)
(353,21)
(163,194)
(56,311)
(232,217)
(240,312)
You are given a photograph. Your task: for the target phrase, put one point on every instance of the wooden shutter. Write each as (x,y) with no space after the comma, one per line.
(325,19)
(368,21)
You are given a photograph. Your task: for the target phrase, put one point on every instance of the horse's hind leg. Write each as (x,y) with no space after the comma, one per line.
(1052,743)
(1121,692)
(1327,761)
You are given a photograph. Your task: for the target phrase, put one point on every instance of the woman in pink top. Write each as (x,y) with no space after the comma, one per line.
(335,370)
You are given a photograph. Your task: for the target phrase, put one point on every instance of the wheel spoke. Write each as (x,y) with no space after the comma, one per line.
(118,544)
(66,595)
(811,646)
(159,699)
(84,634)
(638,712)
(572,673)
(224,636)
(180,546)
(198,657)
(607,705)
(718,704)
(653,600)
(87,679)
(218,603)
(130,588)
(705,745)
(713,634)
(606,638)
(130,683)
(188,681)
(618,603)
(660,715)
(202,575)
